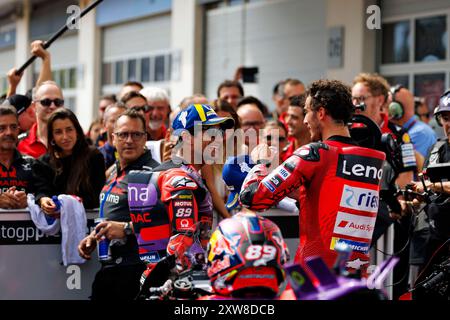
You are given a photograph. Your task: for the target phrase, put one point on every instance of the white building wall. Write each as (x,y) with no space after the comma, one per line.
(284,38)
(186,39)
(137,37)
(359,42)
(392,8)
(7,61)
(145,37)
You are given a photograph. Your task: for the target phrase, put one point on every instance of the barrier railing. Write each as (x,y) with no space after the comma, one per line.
(31,263)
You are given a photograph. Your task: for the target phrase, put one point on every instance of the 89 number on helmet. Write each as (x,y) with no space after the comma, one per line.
(266,252)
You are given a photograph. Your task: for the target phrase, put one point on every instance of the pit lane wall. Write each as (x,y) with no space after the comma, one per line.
(31,265)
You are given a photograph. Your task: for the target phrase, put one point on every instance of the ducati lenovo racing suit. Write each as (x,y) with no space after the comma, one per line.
(338,184)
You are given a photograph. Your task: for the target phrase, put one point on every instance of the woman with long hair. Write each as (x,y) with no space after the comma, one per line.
(70,165)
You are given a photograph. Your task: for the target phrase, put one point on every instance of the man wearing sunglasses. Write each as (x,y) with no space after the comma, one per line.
(157,113)
(47,97)
(118,277)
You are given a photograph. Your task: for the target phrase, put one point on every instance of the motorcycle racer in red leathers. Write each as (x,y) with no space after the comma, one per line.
(337,181)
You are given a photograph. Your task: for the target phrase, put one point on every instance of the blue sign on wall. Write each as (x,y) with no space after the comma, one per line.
(7,38)
(113,11)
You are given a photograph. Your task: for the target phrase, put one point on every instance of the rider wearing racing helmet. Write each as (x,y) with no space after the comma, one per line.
(245,256)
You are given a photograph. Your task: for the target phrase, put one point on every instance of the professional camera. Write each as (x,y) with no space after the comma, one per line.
(437,284)
(438,172)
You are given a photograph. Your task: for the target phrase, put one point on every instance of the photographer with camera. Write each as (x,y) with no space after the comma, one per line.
(436,194)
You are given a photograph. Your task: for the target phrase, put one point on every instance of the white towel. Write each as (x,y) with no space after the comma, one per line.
(38,217)
(73,228)
(72,225)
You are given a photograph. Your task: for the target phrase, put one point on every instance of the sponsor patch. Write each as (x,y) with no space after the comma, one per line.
(359,168)
(359,199)
(150,257)
(142,195)
(183,182)
(354,225)
(283,173)
(356,264)
(269,185)
(276,180)
(355,245)
(303,152)
(184,224)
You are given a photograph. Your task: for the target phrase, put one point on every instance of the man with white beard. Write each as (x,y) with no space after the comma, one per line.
(158,111)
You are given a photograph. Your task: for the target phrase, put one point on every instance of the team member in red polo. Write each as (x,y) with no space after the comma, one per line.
(47,98)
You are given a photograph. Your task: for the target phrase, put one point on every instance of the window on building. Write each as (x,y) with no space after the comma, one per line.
(145,70)
(159,69)
(119,72)
(169,66)
(431,39)
(395,42)
(106,73)
(62,78)
(132,70)
(72,78)
(431,86)
(409,60)
(55,76)
(3,85)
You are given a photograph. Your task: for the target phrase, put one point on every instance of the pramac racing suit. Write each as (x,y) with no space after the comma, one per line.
(338,184)
(170,208)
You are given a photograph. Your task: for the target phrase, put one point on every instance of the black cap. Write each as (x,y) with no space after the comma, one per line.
(20,102)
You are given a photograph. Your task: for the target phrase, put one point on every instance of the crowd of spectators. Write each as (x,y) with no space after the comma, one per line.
(44,150)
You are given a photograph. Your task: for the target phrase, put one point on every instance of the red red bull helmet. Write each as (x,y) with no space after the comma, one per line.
(245,257)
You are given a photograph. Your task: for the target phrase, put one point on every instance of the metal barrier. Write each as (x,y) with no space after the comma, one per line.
(31,264)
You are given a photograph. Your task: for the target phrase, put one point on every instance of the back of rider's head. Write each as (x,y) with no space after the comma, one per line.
(245,257)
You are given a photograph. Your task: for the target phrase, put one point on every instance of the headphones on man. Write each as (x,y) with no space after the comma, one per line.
(396,109)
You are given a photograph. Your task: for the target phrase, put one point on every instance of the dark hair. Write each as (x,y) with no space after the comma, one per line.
(133,83)
(223,105)
(88,133)
(130,95)
(78,178)
(276,87)
(111,97)
(334,96)
(8,110)
(297,101)
(230,84)
(252,100)
(133,114)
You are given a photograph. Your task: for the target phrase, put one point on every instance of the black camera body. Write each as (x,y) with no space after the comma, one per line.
(438,172)
(437,284)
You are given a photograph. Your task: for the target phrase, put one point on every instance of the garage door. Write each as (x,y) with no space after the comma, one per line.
(285,38)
